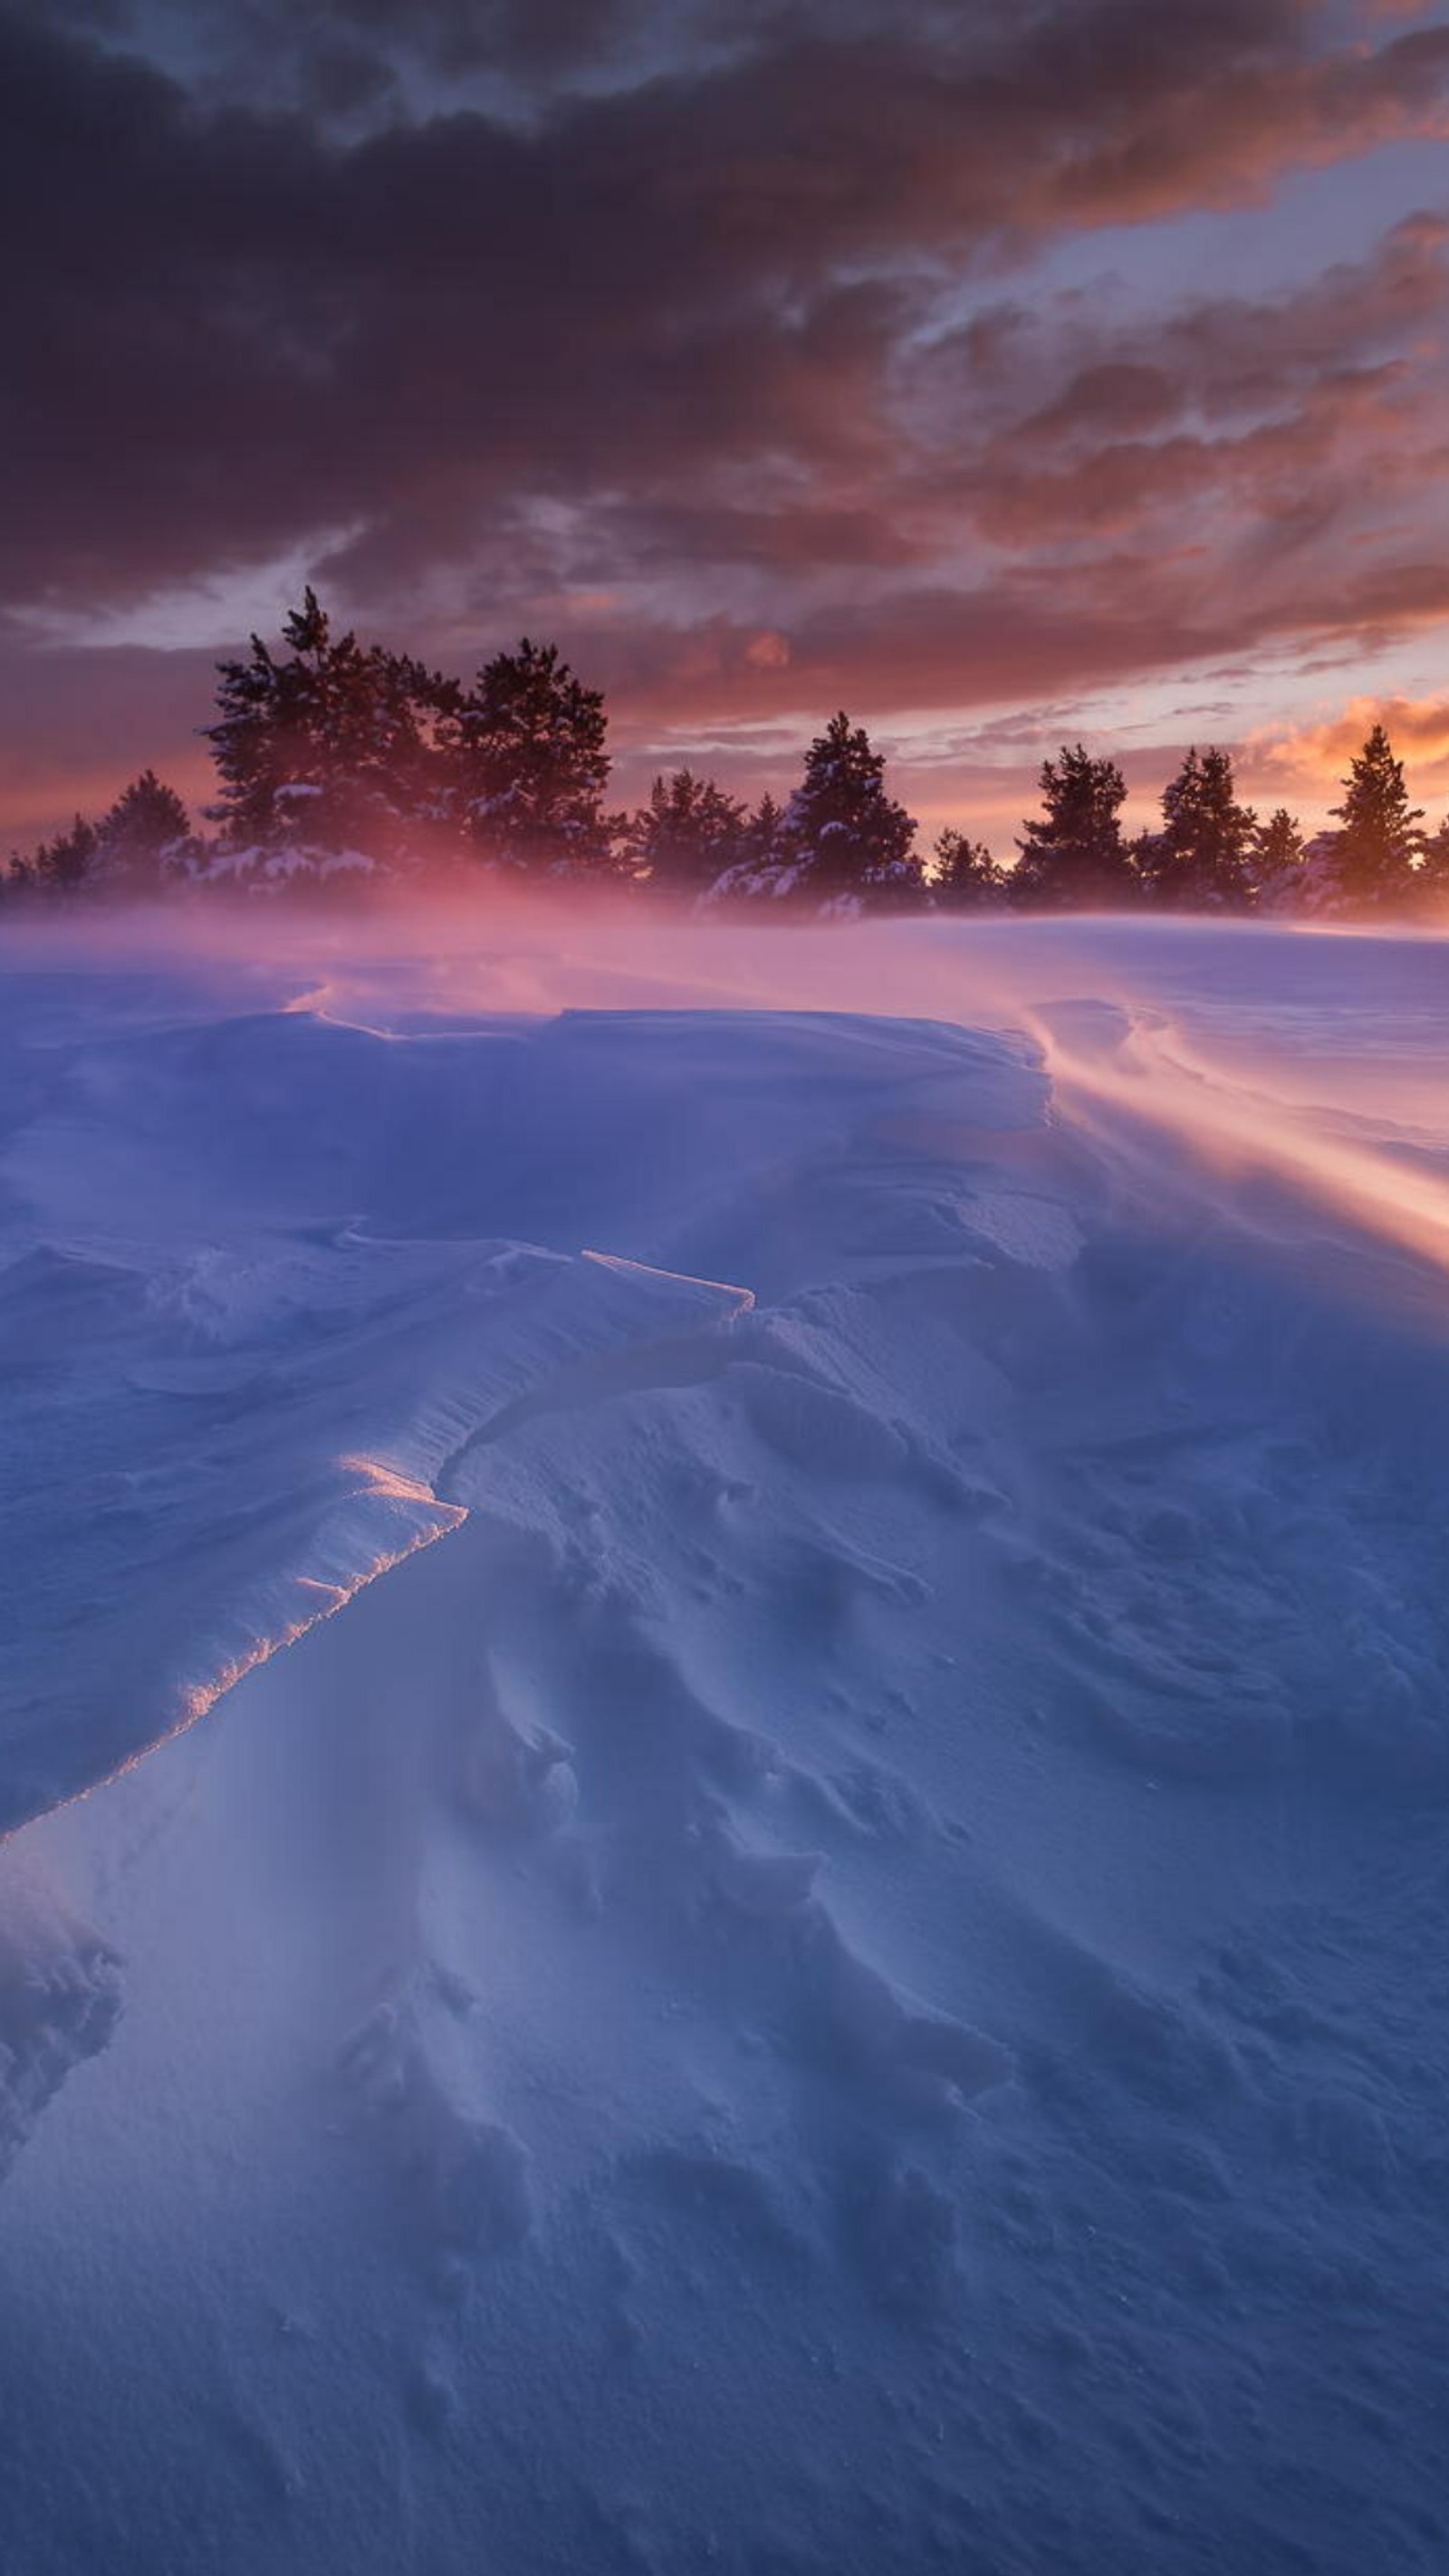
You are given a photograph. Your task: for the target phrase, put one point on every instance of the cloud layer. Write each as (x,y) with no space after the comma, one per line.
(743,348)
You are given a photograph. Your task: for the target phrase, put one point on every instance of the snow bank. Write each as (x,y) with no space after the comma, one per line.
(850,1972)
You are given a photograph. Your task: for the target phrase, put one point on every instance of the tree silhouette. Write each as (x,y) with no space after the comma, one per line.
(688,834)
(530,765)
(1275,861)
(1434,869)
(1199,861)
(334,748)
(1073,858)
(62,865)
(1375,854)
(965,877)
(841,830)
(145,838)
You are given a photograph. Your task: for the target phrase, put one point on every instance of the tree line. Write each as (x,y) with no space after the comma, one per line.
(338,762)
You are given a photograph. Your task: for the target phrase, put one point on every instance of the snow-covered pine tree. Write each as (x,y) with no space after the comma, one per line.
(1199,861)
(687,835)
(1073,858)
(765,871)
(1378,851)
(529,766)
(331,753)
(849,840)
(965,877)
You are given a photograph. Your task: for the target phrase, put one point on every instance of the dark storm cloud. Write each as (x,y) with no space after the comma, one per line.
(653,337)
(224,328)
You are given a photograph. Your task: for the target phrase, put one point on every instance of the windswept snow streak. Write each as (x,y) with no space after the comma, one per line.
(1387,1180)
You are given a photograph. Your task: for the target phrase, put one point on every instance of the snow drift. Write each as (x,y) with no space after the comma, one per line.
(849,1972)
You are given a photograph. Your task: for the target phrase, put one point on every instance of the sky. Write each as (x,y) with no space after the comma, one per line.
(1004,371)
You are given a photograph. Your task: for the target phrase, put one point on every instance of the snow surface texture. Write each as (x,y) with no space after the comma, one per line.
(852,1973)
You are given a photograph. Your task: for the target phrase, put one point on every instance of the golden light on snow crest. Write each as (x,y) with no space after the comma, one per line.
(428,1518)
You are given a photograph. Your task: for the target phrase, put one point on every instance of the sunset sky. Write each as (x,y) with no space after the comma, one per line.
(999,372)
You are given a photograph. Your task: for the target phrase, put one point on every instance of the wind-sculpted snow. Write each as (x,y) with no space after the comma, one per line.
(262,1281)
(851,1973)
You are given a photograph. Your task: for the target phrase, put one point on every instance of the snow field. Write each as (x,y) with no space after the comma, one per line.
(837,1961)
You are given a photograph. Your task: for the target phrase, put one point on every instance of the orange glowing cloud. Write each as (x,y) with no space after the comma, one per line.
(1319,754)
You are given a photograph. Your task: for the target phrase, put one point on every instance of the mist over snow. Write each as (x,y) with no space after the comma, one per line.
(724,1732)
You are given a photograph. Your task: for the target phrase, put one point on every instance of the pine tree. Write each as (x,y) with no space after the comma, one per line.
(763,831)
(1377,853)
(531,767)
(1074,858)
(64,865)
(1434,872)
(965,877)
(764,869)
(267,740)
(335,748)
(842,832)
(1199,861)
(1275,862)
(688,834)
(144,838)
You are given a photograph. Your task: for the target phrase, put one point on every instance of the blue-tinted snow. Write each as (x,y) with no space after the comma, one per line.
(850,1972)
